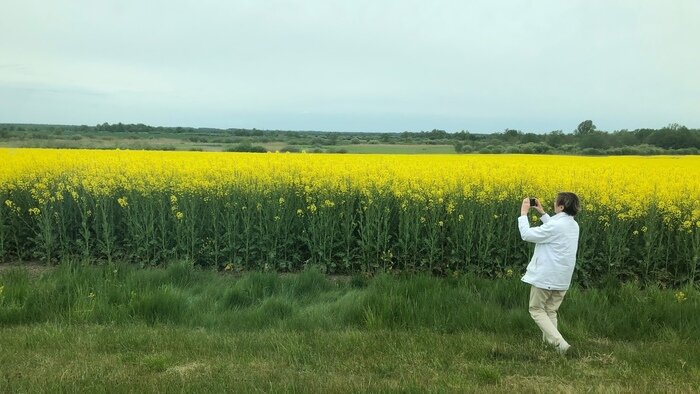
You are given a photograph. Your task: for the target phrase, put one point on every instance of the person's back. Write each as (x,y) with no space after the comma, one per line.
(553,262)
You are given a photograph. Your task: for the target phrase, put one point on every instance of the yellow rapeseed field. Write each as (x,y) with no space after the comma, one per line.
(625,185)
(434,188)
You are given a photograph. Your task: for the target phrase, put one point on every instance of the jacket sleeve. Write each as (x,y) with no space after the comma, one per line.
(541,234)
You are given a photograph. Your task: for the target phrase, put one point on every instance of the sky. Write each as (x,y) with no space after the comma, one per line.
(356,65)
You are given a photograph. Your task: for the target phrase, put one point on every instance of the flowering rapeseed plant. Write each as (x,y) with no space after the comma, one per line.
(342,210)
(680,296)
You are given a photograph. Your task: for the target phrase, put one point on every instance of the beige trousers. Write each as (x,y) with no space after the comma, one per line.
(543,309)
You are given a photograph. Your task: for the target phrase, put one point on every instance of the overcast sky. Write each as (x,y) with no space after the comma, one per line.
(353,65)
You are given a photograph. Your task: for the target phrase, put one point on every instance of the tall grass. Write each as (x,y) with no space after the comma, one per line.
(185,295)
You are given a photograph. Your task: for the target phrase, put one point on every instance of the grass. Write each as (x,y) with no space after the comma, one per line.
(122,329)
(141,358)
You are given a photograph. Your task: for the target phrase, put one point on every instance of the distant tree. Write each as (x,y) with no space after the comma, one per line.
(512,135)
(332,138)
(676,137)
(530,137)
(594,140)
(556,138)
(675,127)
(437,134)
(246,147)
(463,136)
(585,127)
(624,138)
(643,134)
(532,147)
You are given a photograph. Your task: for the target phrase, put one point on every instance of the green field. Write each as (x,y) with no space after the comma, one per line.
(140,358)
(182,143)
(118,328)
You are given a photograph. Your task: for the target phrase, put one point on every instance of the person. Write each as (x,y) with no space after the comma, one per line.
(552,265)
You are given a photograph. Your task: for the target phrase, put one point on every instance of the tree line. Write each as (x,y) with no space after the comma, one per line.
(586,138)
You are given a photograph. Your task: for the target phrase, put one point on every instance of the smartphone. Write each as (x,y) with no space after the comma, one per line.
(533,202)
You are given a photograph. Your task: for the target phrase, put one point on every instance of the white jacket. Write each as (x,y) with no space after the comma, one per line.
(553,262)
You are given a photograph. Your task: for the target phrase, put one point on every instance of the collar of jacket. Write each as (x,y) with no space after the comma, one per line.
(560,215)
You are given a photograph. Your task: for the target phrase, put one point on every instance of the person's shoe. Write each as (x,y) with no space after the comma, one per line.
(562,348)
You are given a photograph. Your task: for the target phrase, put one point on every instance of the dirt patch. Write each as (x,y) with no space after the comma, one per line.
(187,369)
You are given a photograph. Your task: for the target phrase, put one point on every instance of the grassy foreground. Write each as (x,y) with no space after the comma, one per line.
(121,329)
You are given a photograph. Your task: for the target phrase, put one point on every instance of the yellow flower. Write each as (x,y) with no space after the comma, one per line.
(680,296)
(35,211)
(122,202)
(179,215)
